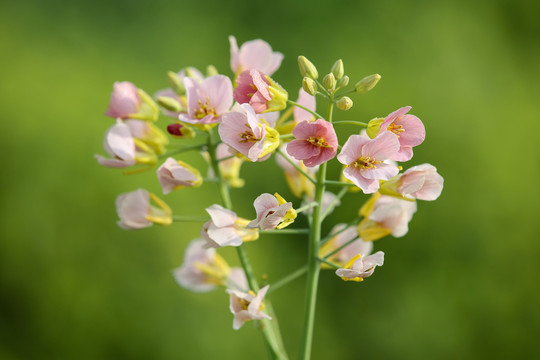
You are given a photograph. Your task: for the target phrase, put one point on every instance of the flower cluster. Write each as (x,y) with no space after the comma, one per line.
(249,118)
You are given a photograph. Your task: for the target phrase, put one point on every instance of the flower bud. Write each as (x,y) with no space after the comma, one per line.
(307,69)
(367,83)
(344,81)
(329,81)
(176,83)
(211,71)
(345,103)
(309,85)
(337,69)
(179,130)
(374,125)
(169,103)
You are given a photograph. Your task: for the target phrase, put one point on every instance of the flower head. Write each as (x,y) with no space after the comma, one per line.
(364,159)
(136,212)
(259,91)
(202,269)
(129,102)
(360,267)
(226,229)
(345,235)
(419,182)
(409,130)
(245,133)
(272,212)
(254,54)
(247,306)
(385,215)
(208,100)
(315,142)
(173,174)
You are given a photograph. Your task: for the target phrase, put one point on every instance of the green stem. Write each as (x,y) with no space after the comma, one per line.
(305,108)
(287,279)
(296,166)
(335,201)
(340,183)
(181,150)
(285,231)
(305,207)
(345,93)
(334,265)
(340,247)
(351,223)
(271,333)
(313,253)
(351,122)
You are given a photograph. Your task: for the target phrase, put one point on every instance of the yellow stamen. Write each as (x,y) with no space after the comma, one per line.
(317,141)
(365,162)
(204,109)
(396,129)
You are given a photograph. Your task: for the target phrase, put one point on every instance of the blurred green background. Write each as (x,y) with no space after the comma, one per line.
(463,283)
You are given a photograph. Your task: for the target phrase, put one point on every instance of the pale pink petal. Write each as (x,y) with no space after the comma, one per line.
(382,147)
(352,150)
(243,89)
(270,117)
(258,103)
(368,186)
(325,155)
(404,154)
(263,203)
(393,116)
(219,90)
(224,236)
(132,209)
(302,130)
(114,163)
(171,174)
(119,142)
(381,172)
(124,100)
(220,216)
(194,94)
(235,60)
(414,133)
(302,150)
(257,54)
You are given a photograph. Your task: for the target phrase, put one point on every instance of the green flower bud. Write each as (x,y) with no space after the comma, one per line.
(211,71)
(344,81)
(169,103)
(329,81)
(309,85)
(337,69)
(307,69)
(345,103)
(374,125)
(175,83)
(367,83)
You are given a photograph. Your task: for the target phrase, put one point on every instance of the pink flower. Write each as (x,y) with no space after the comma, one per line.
(385,215)
(315,142)
(365,160)
(349,235)
(226,229)
(202,269)
(129,102)
(119,144)
(136,212)
(208,100)
(247,135)
(175,174)
(272,211)
(409,130)
(259,91)
(254,54)
(247,306)
(419,182)
(360,267)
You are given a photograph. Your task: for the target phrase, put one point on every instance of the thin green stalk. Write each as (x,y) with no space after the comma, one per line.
(314,268)
(183,218)
(181,150)
(345,93)
(335,201)
(285,231)
(287,279)
(340,248)
(339,183)
(351,122)
(270,332)
(332,264)
(305,108)
(305,207)
(351,223)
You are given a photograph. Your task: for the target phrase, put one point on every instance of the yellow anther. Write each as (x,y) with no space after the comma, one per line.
(396,129)
(365,162)
(317,141)
(204,109)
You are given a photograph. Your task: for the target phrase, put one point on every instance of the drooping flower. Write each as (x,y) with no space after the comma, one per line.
(272,212)
(173,175)
(202,269)
(247,134)
(297,182)
(315,142)
(149,134)
(208,100)
(345,235)
(254,54)
(260,91)
(124,148)
(419,182)
(226,229)
(409,130)
(136,212)
(364,158)
(247,306)
(360,267)
(128,102)
(385,215)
